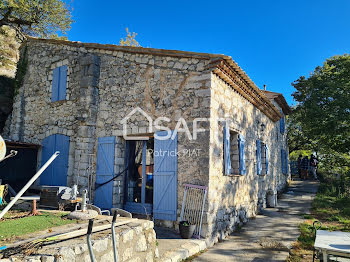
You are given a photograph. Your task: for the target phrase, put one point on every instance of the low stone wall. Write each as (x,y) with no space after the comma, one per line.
(136,242)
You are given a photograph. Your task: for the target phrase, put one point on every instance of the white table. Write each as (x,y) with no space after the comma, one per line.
(333,243)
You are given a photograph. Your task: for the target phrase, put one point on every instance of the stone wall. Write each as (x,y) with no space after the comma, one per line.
(136,242)
(162,87)
(103,87)
(234,199)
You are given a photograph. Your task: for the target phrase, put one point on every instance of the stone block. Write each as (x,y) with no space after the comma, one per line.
(128,253)
(47,258)
(80,249)
(100,245)
(107,257)
(127,235)
(141,244)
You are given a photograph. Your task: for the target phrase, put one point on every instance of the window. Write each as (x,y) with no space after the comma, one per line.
(59,83)
(234,152)
(234,158)
(284,161)
(262,155)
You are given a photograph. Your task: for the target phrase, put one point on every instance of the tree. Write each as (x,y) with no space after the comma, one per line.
(130,39)
(297,140)
(41,18)
(323,111)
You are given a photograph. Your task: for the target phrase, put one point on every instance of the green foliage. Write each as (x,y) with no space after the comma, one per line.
(307,236)
(293,156)
(335,186)
(130,39)
(41,18)
(322,114)
(333,162)
(20,226)
(297,139)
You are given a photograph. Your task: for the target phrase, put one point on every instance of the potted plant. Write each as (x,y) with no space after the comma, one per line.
(186,229)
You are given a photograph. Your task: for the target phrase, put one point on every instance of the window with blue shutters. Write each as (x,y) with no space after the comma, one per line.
(232,157)
(262,158)
(59,83)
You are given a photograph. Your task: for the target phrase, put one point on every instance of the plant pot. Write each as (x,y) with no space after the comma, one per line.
(186,231)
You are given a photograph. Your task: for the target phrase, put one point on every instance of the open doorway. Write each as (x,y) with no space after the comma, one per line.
(139,176)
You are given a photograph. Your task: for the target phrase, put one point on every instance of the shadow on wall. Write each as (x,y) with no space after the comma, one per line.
(6,99)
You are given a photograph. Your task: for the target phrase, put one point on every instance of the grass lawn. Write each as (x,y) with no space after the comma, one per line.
(16,224)
(329,207)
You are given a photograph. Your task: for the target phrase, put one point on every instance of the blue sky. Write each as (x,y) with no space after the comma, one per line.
(275,42)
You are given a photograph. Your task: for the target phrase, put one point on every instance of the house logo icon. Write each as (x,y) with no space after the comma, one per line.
(124,122)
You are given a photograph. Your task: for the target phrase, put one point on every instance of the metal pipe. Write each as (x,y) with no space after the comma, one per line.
(83,201)
(12,154)
(113,237)
(88,237)
(30,182)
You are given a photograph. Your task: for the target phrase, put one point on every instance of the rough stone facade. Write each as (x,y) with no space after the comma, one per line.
(105,83)
(136,242)
(233,199)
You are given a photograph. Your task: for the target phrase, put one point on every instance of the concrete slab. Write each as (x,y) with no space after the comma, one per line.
(173,248)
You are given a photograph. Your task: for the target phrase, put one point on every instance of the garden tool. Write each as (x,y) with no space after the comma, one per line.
(88,236)
(113,237)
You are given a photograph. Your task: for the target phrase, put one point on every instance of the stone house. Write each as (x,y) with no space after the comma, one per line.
(95,104)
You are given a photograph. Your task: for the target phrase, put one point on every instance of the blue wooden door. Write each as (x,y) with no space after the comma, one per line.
(165,178)
(56,173)
(48,148)
(105,172)
(60,168)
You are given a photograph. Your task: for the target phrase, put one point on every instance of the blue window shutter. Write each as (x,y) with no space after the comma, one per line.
(62,83)
(258,157)
(267,158)
(165,178)
(60,165)
(241,144)
(55,84)
(227,158)
(282,160)
(282,125)
(48,148)
(105,172)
